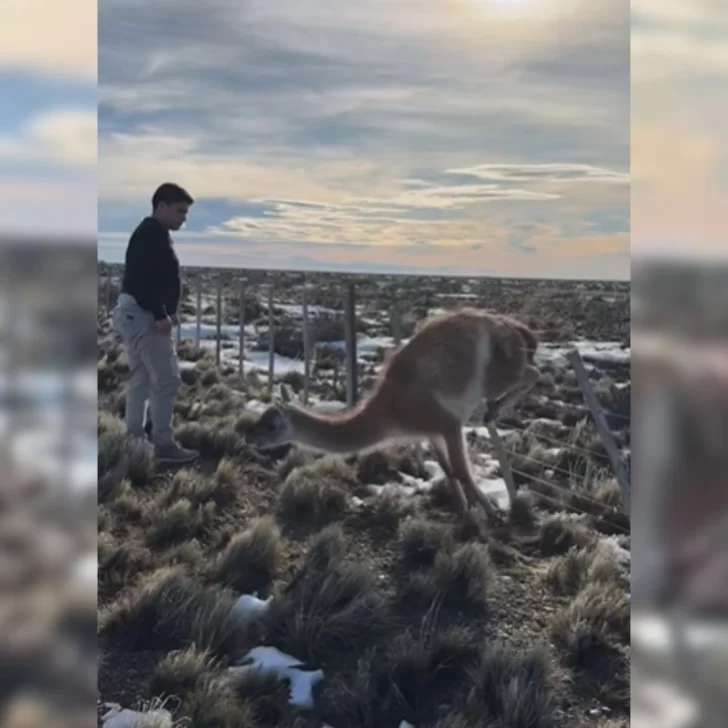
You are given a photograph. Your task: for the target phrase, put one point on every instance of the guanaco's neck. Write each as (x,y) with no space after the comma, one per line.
(343,434)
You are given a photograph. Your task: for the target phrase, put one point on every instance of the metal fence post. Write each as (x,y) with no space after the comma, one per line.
(198,332)
(218,331)
(306,346)
(271,341)
(350,339)
(241,333)
(601,424)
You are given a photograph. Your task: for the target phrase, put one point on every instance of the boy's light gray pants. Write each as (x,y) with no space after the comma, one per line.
(153,370)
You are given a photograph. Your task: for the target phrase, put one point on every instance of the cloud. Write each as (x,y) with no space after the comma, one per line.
(543,173)
(486,259)
(48,174)
(66,137)
(48,75)
(48,209)
(685,35)
(354,225)
(420,212)
(679,138)
(380,123)
(50,38)
(132,165)
(680,191)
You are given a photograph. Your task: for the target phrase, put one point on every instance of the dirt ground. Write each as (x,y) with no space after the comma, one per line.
(411,614)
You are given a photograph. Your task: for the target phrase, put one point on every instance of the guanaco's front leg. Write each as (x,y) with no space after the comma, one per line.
(458,457)
(439,450)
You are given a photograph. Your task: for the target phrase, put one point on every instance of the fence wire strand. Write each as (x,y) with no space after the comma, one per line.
(511,454)
(566,445)
(577,493)
(570,506)
(574,477)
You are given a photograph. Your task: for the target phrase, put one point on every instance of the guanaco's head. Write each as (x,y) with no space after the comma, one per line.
(273,428)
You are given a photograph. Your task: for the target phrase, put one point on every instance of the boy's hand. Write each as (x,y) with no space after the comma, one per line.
(164,326)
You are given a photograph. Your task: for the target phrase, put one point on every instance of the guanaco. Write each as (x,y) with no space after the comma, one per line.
(427,389)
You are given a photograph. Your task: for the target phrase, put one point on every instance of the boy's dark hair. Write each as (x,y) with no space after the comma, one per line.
(170,193)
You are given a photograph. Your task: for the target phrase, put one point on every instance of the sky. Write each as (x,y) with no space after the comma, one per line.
(453,136)
(456,136)
(679,131)
(48,128)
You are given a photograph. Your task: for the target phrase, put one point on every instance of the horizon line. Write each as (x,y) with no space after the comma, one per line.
(399,274)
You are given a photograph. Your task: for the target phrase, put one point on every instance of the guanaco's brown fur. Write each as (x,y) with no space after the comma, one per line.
(427,389)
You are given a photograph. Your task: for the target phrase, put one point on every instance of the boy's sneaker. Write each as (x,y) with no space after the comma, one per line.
(175,454)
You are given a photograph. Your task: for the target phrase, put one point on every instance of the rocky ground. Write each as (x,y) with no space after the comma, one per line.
(410,614)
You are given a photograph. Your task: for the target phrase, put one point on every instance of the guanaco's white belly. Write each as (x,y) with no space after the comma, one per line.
(463,406)
(466,402)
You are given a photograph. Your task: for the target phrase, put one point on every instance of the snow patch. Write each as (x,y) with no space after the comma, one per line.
(116,717)
(601,352)
(270,660)
(249,606)
(85,571)
(410,486)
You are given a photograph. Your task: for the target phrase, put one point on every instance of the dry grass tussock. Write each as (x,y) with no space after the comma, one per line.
(48,614)
(411,614)
(592,633)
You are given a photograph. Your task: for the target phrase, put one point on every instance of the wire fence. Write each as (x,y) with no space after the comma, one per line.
(574,489)
(574,486)
(582,451)
(47,376)
(212,316)
(548,466)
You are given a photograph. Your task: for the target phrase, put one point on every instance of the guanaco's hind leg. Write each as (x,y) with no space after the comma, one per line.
(439,450)
(420,410)
(460,466)
(508,399)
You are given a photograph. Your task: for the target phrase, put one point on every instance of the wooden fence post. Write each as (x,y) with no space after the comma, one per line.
(601,424)
(69,429)
(350,339)
(218,332)
(12,364)
(241,333)
(306,345)
(198,332)
(271,341)
(395,320)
